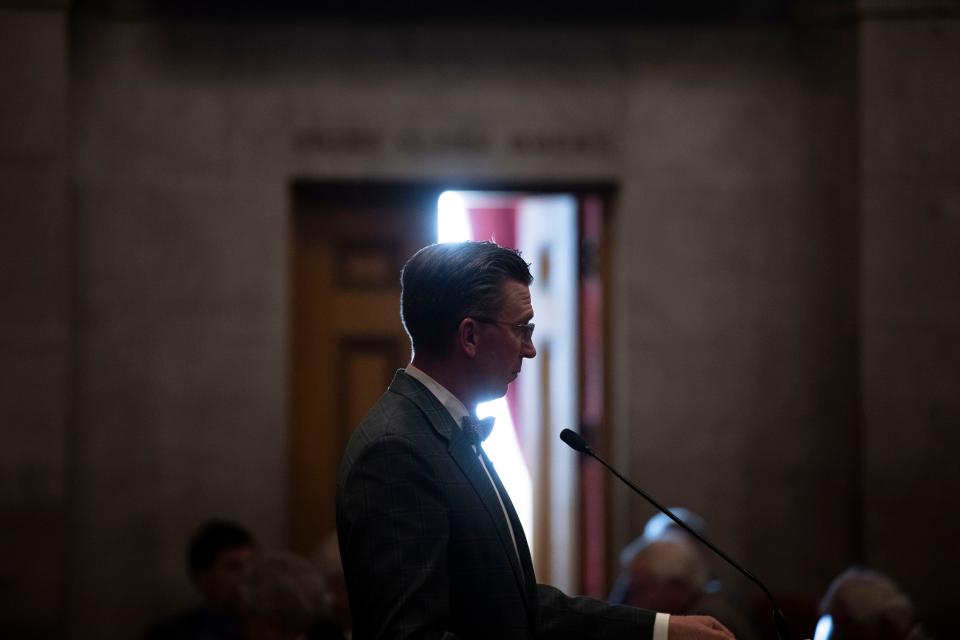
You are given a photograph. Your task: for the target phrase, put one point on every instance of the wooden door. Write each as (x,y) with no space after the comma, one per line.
(348,246)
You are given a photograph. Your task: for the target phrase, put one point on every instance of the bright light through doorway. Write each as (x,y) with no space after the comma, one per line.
(502,447)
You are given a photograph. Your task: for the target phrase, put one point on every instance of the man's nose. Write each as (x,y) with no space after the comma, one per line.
(529,351)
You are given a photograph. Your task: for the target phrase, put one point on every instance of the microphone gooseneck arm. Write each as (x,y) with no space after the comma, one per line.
(576,442)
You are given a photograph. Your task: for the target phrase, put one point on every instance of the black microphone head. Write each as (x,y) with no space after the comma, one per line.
(574,441)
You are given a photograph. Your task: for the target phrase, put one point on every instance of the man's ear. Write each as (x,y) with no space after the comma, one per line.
(467,337)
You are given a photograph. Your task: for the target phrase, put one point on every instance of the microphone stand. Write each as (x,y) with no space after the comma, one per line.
(574,441)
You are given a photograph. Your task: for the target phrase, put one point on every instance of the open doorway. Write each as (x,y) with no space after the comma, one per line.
(348,243)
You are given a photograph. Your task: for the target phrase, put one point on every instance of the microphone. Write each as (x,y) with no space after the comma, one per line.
(574,441)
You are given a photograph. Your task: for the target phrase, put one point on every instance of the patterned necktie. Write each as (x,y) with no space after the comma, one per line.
(477,430)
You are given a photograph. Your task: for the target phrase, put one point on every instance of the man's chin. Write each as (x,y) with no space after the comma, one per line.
(494,394)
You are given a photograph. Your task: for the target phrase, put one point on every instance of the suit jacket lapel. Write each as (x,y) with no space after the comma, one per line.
(523,548)
(467,459)
(462,452)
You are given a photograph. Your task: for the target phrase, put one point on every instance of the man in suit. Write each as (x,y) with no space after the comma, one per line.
(431,544)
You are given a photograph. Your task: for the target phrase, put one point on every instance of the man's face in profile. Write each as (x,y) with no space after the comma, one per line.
(220,584)
(503,344)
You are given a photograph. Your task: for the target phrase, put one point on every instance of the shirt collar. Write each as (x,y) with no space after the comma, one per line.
(450,402)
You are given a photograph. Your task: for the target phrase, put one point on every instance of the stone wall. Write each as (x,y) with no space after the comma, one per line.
(181,356)
(36,319)
(737,295)
(910,305)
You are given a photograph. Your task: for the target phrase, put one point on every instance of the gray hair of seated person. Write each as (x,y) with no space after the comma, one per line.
(867,604)
(668,560)
(660,524)
(287,590)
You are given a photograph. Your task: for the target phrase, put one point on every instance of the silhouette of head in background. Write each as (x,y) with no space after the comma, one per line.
(866,605)
(218,554)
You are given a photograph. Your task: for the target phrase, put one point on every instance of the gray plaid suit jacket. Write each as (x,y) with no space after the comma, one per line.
(425,546)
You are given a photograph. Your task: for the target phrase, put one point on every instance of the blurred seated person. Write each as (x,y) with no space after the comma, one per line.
(665,570)
(327,559)
(751,615)
(660,526)
(217,556)
(286,598)
(866,605)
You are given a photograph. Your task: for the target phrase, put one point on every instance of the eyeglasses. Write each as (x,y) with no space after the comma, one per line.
(526,328)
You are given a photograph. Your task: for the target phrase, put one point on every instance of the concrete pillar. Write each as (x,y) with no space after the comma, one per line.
(35,318)
(910,192)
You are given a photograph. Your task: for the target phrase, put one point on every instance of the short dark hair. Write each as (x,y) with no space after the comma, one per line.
(444,283)
(212,538)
